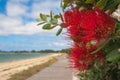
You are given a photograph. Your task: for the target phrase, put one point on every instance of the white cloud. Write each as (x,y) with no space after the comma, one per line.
(44,7)
(14,26)
(31,28)
(15,8)
(59,44)
(8,21)
(12,23)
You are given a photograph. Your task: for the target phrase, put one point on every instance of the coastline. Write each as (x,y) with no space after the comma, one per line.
(9,68)
(11,57)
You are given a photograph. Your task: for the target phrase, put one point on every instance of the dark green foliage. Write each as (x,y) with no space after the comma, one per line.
(99,71)
(112,4)
(112,51)
(101,3)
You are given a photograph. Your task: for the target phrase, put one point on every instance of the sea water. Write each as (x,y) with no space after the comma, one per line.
(7,57)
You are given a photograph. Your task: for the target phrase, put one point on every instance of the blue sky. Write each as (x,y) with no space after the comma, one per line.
(18,30)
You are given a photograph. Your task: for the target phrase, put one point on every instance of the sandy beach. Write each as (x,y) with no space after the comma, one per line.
(10,68)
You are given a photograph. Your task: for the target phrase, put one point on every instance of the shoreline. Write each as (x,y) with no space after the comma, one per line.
(12,60)
(9,68)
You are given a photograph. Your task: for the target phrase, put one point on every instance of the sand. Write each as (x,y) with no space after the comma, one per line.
(10,68)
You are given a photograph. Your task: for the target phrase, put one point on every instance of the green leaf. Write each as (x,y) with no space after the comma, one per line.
(64,5)
(54,21)
(57,16)
(59,31)
(111,50)
(117,30)
(112,4)
(61,16)
(101,3)
(43,17)
(89,1)
(38,19)
(51,14)
(112,45)
(48,27)
(47,15)
(40,23)
(118,25)
(113,56)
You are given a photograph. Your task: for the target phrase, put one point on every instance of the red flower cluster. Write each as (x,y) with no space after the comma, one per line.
(80,58)
(88,29)
(88,25)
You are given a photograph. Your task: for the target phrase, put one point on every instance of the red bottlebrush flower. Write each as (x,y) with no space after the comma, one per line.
(87,25)
(88,29)
(81,59)
(71,17)
(88,21)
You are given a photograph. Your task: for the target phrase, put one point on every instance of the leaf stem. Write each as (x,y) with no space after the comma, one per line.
(102,46)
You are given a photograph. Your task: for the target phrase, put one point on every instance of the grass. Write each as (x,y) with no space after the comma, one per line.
(32,70)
